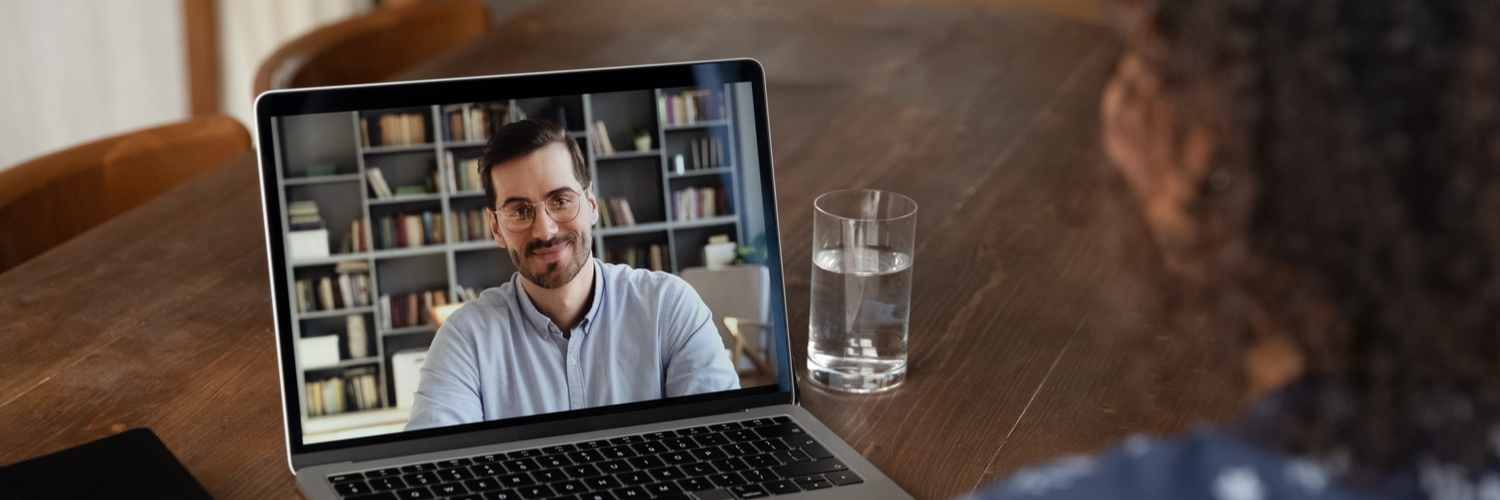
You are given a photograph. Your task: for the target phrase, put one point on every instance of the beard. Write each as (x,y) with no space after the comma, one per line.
(551,275)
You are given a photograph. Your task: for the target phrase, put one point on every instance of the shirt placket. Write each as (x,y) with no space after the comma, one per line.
(576,399)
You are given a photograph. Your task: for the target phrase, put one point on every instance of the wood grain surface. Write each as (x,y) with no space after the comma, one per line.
(161,318)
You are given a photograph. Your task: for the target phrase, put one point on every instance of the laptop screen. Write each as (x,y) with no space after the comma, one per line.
(466,254)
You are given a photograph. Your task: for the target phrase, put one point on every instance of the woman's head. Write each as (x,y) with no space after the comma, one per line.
(1323,177)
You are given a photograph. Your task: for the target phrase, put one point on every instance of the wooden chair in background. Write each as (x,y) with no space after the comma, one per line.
(51,199)
(374,46)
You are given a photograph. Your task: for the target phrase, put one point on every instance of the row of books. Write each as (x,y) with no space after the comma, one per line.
(474,122)
(699,203)
(355,239)
(349,288)
(653,257)
(382,189)
(409,309)
(393,130)
(400,230)
(303,216)
(616,212)
(354,390)
(465,174)
(706,152)
(691,106)
(600,139)
(470,226)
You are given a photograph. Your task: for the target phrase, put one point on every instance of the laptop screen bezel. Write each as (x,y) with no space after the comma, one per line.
(491,88)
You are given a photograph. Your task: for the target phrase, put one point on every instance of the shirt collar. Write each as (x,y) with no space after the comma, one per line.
(540,322)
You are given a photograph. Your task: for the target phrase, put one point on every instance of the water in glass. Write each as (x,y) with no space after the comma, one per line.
(860,303)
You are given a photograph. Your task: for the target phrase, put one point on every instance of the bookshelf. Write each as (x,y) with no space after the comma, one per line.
(327,159)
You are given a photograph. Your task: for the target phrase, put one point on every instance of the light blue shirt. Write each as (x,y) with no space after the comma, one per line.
(647,335)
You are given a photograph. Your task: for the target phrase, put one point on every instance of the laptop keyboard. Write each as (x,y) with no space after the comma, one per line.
(749,459)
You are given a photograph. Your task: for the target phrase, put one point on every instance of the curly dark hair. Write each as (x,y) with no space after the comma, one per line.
(1351,203)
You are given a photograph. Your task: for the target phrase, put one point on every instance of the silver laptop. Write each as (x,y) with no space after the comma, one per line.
(557,285)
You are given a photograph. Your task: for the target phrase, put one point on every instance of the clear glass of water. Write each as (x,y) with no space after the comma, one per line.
(861,289)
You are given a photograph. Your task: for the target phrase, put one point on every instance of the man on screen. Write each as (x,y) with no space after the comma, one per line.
(568,331)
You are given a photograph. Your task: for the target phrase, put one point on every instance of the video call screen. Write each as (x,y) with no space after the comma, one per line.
(389,248)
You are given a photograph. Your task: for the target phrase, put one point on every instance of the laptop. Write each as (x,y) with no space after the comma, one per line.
(383,253)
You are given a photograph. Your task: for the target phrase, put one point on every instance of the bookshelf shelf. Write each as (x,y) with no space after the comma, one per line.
(346,363)
(648,227)
(399,149)
(331,259)
(630,154)
(409,330)
(335,313)
(701,172)
(469,246)
(697,125)
(463,144)
(408,198)
(712,221)
(396,253)
(321,179)
(466,194)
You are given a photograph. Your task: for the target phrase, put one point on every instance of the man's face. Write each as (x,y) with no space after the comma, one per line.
(549,253)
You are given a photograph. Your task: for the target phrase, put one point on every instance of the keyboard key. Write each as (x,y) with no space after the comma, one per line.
(415,494)
(757,422)
(501,495)
(674,496)
(449,489)
(678,457)
(759,475)
(782,430)
(454,474)
(538,491)
(418,468)
(570,487)
(564,497)
(615,467)
(549,476)
(667,474)
(813,467)
(618,452)
(585,456)
(693,431)
(625,440)
(844,478)
(742,435)
(725,427)
(522,465)
(749,491)
(602,483)
(632,493)
(493,457)
(782,420)
(764,460)
(516,480)
(634,478)
(483,484)
(421,479)
(680,444)
(707,454)
(374,496)
(771,445)
(791,456)
(354,487)
(698,469)
(727,479)
(524,454)
(781,487)
(815,485)
(730,464)
(597,495)
(391,472)
(650,448)
(347,476)
(645,462)
(597,443)
(809,446)
(559,449)
(554,461)
(581,471)
(455,462)
(739,449)
(487,470)
(473,496)
(387,483)
(808,479)
(695,484)
(710,440)
(662,489)
(658,436)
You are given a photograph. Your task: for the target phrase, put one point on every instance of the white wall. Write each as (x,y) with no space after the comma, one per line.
(76,70)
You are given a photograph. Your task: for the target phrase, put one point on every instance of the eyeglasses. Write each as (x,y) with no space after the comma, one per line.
(562,207)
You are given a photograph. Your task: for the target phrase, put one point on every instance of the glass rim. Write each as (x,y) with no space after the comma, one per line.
(817,204)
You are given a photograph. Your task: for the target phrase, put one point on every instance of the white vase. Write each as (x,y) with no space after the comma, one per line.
(643,143)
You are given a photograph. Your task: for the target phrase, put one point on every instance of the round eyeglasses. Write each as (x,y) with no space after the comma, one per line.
(518,215)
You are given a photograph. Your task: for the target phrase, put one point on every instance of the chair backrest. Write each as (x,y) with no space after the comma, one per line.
(374,46)
(51,199)
(742,292)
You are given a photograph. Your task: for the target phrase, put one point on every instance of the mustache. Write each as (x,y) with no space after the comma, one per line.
(560,239)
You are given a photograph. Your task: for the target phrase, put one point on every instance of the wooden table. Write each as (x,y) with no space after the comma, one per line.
(161,318)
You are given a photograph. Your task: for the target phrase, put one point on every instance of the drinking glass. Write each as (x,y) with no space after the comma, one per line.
(861,289)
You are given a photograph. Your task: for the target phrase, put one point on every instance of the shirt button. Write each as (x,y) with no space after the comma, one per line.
(572,361)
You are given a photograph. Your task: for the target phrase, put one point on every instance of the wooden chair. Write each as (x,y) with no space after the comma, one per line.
(372,47)
(51,199)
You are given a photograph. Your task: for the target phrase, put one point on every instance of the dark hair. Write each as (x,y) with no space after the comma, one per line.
(521,139)
(1352,203)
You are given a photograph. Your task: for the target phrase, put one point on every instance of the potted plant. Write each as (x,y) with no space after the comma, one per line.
(642,139)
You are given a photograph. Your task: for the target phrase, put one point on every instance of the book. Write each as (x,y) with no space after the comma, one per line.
(377,183)
(354,329)
(606,147)
(413,233)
